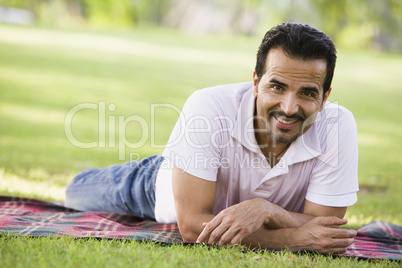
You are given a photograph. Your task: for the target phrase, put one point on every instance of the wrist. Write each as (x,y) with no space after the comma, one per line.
(292,239)
(266,212)
(267,216)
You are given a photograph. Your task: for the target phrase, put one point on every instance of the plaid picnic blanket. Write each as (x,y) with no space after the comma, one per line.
(32,217)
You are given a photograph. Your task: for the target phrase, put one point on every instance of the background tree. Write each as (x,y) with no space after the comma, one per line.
(351,23)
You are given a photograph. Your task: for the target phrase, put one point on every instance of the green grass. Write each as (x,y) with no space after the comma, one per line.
(44,73)
(68,252)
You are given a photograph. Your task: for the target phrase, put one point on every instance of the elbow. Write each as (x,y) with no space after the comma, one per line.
(188,232)
(188,236)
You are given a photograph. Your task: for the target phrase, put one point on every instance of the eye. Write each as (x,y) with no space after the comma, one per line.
(309,94)
(277,88)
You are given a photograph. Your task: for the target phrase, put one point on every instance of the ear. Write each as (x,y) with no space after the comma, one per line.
(326,95)
(255,82)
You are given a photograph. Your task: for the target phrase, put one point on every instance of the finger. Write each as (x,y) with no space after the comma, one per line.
(242,234)
(331,221)
(206,232)
(238,238)
(341,246)
(344,233)
(334,250)
(336,245)
(202,238)
(339,250)
(336,222)
(216,234)
(344,242)
(228,236)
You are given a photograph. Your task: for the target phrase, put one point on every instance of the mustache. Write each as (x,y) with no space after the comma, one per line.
(282,114)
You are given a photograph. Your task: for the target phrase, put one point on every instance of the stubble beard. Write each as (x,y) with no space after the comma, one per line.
(280,138)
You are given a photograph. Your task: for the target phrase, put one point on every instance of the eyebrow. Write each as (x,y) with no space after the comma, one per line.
(313,89)
(273,80)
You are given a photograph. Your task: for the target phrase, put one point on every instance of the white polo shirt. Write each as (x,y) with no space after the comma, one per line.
(214,140)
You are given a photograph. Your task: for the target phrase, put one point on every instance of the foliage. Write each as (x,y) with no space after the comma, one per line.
(108,12)
(355,23)
(371,23)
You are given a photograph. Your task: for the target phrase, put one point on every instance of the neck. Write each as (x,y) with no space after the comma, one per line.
(273,151)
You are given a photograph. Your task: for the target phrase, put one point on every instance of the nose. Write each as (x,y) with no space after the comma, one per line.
(290,104)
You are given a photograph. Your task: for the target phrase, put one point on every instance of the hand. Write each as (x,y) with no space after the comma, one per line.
(235,223)
(323,235)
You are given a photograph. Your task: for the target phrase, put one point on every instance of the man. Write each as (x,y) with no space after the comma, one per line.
(266,164)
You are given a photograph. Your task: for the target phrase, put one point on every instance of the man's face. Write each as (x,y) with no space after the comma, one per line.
(288,97)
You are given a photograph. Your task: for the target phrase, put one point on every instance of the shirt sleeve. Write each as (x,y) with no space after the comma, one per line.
(334,180)
(193,144)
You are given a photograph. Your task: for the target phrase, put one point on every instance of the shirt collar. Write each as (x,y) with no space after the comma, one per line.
(243,130)
(304,148)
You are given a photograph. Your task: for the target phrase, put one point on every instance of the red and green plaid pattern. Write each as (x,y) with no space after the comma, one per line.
(32,217)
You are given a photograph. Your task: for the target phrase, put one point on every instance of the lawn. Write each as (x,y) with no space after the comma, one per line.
(74,99)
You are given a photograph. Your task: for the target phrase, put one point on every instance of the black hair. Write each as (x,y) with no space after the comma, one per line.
(298,41)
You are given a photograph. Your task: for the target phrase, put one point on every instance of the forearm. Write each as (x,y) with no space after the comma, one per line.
(278,217)
(275,239)
(320,234)
(240,221)
(290,219)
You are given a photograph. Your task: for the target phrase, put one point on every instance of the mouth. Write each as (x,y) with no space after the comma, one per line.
(286,123)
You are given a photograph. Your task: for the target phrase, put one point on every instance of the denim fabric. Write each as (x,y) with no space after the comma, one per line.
(126,189)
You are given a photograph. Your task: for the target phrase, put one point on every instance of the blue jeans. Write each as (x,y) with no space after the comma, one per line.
(125,189)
